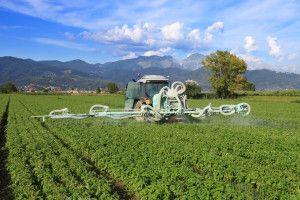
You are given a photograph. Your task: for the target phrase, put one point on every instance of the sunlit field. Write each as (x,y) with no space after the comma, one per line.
(234,157)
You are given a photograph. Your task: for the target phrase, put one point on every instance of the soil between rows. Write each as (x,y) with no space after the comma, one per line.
(5,191)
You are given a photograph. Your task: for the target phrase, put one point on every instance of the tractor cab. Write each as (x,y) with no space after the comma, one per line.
(142,91)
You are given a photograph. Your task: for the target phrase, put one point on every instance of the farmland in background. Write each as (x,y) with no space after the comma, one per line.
(253,157)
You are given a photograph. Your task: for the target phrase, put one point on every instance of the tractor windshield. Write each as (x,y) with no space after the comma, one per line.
(154,88)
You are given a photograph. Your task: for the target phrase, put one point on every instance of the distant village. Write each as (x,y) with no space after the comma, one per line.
(35,88)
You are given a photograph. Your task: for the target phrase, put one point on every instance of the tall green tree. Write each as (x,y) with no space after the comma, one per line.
(8,87)
(98,90)
(112,87)
(193,90)
(227,73)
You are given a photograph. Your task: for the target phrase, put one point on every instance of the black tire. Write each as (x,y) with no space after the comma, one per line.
(137,106)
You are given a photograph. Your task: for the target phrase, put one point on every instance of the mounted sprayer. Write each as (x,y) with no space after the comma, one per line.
(151,99)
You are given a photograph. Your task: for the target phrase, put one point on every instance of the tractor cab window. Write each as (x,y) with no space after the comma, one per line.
(154,88)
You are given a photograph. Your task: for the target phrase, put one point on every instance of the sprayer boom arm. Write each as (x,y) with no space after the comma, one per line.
(170,101)
(150,112)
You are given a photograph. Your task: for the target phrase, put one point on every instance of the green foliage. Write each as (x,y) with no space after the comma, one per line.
(227,73)
(112,87)
(8,88)
(255,157)
(193,90)
(42,166)
(296,101)
(270,93)
(98,90)
(249,86)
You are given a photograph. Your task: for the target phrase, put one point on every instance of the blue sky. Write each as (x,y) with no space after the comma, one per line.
(265,33)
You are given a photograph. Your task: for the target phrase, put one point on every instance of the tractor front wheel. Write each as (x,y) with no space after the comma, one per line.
(137,106)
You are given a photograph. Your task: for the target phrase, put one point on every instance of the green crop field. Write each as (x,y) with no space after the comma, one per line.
(253,157)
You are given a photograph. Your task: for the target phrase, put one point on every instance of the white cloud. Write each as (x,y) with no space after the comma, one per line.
(69,36)
(124,33)
(215,27)
(130,55)
(96,36)
(149,26)
(150,41)
(250,44)
(292,56)
(134,34)
(255,62)
(274,47)
(64,44)
(250,58)
(252,61)
(160,52)
(140,37)
(83,14)
(194,37)
(172,32)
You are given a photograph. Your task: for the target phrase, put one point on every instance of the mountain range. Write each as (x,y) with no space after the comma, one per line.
(83,75)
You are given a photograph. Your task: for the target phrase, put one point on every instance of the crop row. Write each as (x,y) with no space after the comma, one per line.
(184,161)
(41,166)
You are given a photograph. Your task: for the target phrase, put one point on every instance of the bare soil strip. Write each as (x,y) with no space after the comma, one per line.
(5,191)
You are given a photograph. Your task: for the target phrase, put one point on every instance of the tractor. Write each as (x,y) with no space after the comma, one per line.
(141,92)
